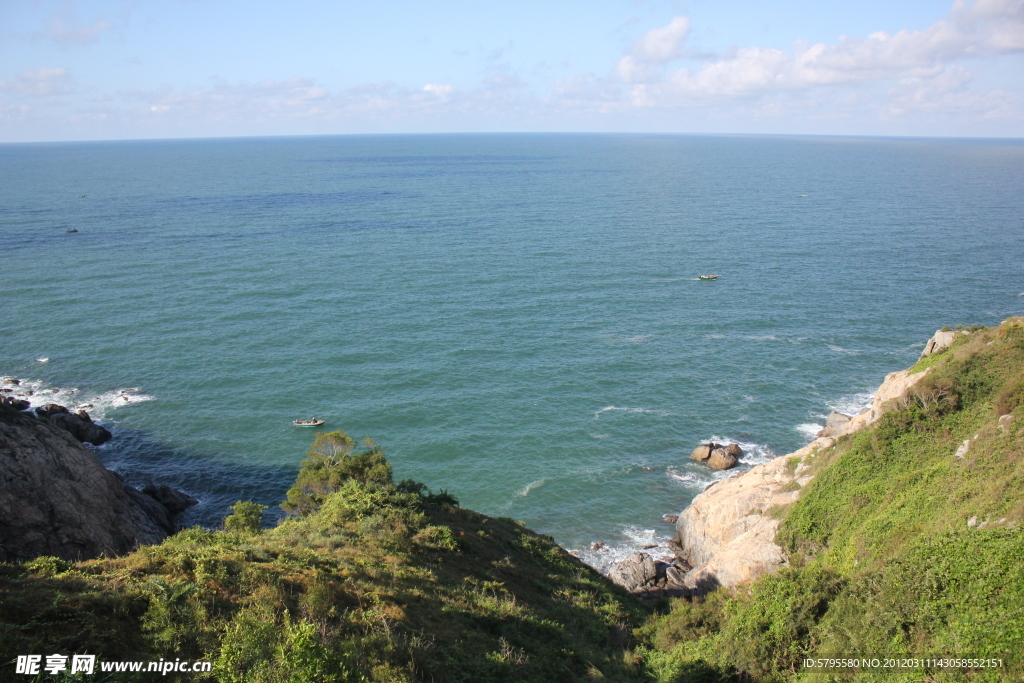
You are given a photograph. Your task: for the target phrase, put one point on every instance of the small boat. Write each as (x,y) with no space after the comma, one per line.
(312,422)
(72,229)
(707,277)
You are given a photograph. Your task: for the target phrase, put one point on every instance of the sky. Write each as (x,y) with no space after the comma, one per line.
(123,69)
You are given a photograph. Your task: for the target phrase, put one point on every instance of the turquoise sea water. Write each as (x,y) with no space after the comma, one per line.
(515,318)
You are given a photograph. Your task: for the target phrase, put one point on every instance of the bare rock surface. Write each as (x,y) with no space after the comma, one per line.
(635,572)
(57,499)
(722,459)
(940,341)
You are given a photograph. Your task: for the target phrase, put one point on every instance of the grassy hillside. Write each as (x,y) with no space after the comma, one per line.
(898,547)
(369,581)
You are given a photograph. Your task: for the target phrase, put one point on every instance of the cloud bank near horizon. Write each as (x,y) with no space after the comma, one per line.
(937,80)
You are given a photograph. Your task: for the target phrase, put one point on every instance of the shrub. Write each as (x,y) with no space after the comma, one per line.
(328,465)
(246,518)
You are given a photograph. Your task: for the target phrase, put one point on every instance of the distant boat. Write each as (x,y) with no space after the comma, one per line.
(72,229)
(312,422)
(707,277)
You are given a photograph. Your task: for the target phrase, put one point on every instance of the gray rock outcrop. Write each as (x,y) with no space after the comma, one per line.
(57,499)
(635,572)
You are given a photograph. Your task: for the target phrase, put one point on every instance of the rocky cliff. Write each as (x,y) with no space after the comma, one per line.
(57,499)
(728,533)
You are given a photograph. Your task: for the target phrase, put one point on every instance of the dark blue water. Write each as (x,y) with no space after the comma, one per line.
(513,317)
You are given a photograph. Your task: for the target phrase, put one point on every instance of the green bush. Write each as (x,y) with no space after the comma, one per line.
(328,465)
(246,517)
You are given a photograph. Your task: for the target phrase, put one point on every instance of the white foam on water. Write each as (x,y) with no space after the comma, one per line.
(42,360)
(762,337)
(96,404)
(638,339)
(852,404)
(663,413)
(599,436)
(810,430)
(531,486)
(840,349)
(753,453)
(631,539)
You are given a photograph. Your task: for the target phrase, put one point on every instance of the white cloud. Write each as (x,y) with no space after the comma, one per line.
(40,81)
(662,44)
(908,70)
(64,26)
(657,46)
(442,91)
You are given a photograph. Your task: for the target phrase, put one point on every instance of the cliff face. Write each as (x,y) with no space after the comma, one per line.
(57,499)
(728,532)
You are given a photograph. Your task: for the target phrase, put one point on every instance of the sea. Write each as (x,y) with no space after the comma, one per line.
(515,318)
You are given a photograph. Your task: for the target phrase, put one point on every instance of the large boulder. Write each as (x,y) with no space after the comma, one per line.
(57,499)
(79,423)
(16,404)
(835,425)
(940,341)
(703,451)
(722,459)
(174,500)
(635,573)
(85,430)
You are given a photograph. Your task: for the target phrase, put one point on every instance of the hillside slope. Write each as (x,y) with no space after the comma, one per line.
(368,581)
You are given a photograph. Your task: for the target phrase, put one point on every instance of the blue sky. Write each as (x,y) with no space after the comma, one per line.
(108,69)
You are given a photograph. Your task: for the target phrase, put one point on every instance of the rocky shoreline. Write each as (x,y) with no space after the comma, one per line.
(726,537)
(56,498)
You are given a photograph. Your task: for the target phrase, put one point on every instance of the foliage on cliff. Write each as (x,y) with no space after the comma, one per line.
(367,581)
(898,547)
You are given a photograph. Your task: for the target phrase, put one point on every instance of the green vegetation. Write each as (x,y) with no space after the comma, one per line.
(365,581)
(897,547)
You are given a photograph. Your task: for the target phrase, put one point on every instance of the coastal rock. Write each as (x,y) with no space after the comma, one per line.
(721,459)
(14,403)
(703,451)
(84,431)
(51,409)
(174,500)
(940,341)
(725,534)
(835,424)
(895,387)
(671,519)
(635,572)
(57,499)
(1004,422)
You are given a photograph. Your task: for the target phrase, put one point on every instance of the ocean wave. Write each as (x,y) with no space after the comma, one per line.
(631,539)
(39,393)
(840,349)
(809,430)
(531,486)
(663,413)
(853,403)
